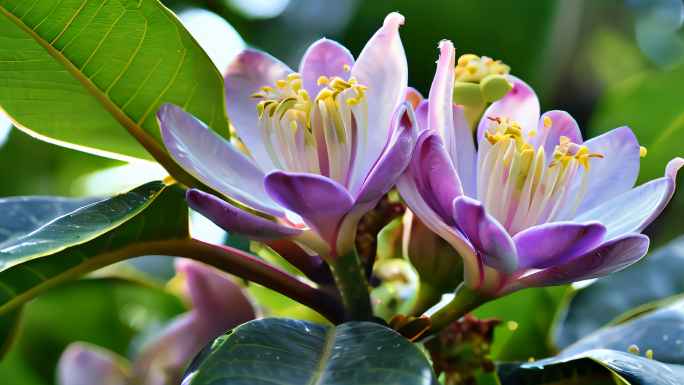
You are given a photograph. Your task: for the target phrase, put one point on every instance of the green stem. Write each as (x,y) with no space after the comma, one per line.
(427,297)
(465,301)
(353,286)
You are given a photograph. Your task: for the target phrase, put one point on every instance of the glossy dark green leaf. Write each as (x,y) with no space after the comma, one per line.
(615,368)
(659,330)
(9,325)
(287,351)
(658,276)
(21,215)
(86,72)
(91,237)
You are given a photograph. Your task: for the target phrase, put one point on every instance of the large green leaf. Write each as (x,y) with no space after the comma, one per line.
(615,368)
(287,351)
(82,71)
(659,276)
(89,238)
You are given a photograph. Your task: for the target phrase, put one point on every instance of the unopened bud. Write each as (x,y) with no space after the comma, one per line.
(467,94)
(494,87)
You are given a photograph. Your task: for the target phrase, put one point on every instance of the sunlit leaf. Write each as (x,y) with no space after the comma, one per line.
(287,351)
(94,73)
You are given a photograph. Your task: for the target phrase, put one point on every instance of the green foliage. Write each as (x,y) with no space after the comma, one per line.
(93,67)
(92,237)
(527,318)
(111,313)
(286,351)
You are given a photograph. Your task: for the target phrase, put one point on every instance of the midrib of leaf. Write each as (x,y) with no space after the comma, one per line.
(325,354)
(152,146)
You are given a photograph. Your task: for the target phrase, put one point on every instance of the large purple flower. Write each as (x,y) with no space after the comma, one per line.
(324,144)
(534,205)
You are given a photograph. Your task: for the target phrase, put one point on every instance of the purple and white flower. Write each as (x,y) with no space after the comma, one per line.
(324,144)
(534,205)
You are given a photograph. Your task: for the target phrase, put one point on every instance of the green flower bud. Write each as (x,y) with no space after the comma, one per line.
(494,87)
(467,93)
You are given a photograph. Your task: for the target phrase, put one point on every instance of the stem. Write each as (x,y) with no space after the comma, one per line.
(353,286)
(428,296)
(465,301)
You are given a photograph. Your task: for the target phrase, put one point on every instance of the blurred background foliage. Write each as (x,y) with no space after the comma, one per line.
(609,63)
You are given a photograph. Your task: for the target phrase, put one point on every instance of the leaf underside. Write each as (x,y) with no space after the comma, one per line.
(77,71)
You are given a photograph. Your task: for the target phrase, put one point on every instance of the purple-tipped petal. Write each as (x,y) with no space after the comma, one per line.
(612,175)
(244,77)
(213,160)
(217,299)
(324,58)
(562,124)
(395,157)
(435,175)
(413,96)
(442,91)
(520,105)
(86,364)
(633,211)
(313,266)
(382,68)
(236,221)
(603,260)
(410,192)
(321,202)
(486,234)
(551,244)
(422,115)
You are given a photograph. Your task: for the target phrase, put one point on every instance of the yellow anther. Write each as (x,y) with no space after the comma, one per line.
(633,349)
(514,124)
(304,95)
(352,102)
(649,354)
(293,76)
(471,69)
(338,83)
(345,68)
(353,81)
(281,83)
(324,94)
(532,133)
(464,59)
(293,126)
(323,80)
(547,122)
(504,119)
(263,96)
(526,146)
(296,85)
(364,88)
(267,89)
(642,151)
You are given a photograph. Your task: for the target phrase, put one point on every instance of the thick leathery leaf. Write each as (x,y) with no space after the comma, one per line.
(658,276)
(624,368)
(96,69)
(21,215)
(659,330)
(73,245)
(288,351)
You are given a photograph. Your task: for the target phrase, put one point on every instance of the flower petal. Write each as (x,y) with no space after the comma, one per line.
(409,190)
(422,115)
(631,212)
(86,364)
(486,234)
(603,260)
(520,105)
(442,91)
(313,266)
(435,175)
(213,160)
(244,77)
(321,202)
(562,124)
(613,175)
(551,244)
(395,157)
(324,58)
(381,67)
(413,96)
(235,221)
